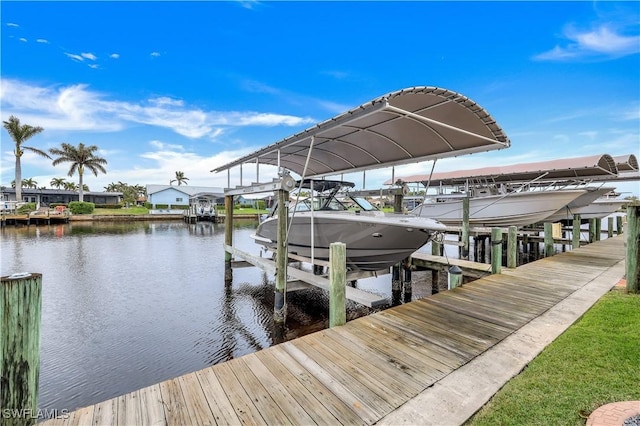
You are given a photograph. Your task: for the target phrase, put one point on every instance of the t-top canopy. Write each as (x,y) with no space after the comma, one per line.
(626,163)
(406,126)
(591,167)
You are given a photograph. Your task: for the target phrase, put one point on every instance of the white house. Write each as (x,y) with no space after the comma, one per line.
(178,195)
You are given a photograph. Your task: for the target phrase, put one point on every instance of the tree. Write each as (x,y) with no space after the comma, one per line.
(57,183)
(29,183)
(180,178)
(20,133)
(80,157)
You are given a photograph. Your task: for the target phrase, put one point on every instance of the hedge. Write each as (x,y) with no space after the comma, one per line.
(83,207)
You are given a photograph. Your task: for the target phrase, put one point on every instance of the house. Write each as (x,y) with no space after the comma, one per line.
(46,197)
(167,196)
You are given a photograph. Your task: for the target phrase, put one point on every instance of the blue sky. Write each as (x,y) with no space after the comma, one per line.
(169,86)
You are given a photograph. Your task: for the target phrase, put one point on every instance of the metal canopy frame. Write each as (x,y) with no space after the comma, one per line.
(569,169)
(405,126)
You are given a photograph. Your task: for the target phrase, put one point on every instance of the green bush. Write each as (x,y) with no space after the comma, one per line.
(148,205)
(83,207)
(26,208)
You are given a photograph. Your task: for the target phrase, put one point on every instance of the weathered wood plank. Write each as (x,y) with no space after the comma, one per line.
(152,407)
(315,409)
(196,404)
(222,410)
(345,411)
(367,414)
(241,402)
(176,411)
(106,413)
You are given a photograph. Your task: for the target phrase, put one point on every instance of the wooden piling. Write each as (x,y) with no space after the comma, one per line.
(633,248)
(575,233)
(465,229)
(496,250)
(397,203)
(337,284)
(598,231)
(618,225)
(435,250)
(280,306)
(407,288)
(512,247)
(548,239)
(610,227)
(592,230)
(228,225)
(20,316)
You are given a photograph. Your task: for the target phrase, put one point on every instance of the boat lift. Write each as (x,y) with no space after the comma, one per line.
(402,127)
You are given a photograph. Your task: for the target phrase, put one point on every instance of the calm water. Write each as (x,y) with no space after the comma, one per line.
(132,304)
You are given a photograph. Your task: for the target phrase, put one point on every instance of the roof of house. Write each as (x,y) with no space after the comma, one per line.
(185,189)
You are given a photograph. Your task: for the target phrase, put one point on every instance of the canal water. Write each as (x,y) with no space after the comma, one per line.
(127,305)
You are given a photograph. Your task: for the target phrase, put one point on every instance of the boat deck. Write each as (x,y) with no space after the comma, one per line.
(380,368)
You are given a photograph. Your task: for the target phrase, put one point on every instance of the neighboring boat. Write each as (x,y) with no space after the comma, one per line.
(490,207)
(587,205)
(374,240)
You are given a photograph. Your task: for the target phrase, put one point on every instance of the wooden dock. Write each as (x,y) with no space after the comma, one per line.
(374,366)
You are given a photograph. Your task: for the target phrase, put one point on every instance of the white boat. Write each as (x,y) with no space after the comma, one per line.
(374,240)
(588,205)
(491,208)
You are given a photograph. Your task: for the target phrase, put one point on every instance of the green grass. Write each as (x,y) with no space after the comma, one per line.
(595,362)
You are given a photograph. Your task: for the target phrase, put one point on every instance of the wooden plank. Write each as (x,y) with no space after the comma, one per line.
(368,414)
(152,407)
(294,412)
(133,411)
(314,408)
(409,378)
(345,411)
(366,332)
(106,413)
(175,405)
(221,408)
(241,402)
(333,365)
(83,416)
(196,404)
(261,397)
(380,384)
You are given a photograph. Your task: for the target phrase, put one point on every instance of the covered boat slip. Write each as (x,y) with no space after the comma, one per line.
(560,171)
(401,127)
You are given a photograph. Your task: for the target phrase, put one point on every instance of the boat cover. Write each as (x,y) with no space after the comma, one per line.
(405,126)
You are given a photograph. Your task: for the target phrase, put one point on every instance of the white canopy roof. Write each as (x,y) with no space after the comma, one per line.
(590,167)
(406,126)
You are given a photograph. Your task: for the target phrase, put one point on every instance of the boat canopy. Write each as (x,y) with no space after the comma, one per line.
(401,127)
(626,163)
(590,167)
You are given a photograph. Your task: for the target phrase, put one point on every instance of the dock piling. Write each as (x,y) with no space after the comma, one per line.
(280,305)
(512,247)
(548,239)
(496,250)
(575,233)
(21,304)
(337,284)
(633,248)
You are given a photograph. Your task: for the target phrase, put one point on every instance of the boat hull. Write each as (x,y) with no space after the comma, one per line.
(372,242)
(514,209)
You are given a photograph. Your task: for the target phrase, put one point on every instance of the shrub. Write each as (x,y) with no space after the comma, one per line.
(83,207)
(26,208)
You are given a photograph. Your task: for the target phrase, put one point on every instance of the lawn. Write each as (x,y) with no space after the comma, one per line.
(595,362)
(130,210)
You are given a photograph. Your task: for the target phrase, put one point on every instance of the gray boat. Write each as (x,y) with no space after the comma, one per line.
(374,240)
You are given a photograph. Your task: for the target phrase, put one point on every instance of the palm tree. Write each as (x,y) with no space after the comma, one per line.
(57,183)
(180,178)
(29,183)
(80,156)
(20,133)
(70,186)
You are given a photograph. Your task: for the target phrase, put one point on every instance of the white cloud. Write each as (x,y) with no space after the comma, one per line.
(11,24)
(42,40)
(22,39)
(89,56)
(75,57)
(78,108)
(114,56)
(601,42)
(155,54)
